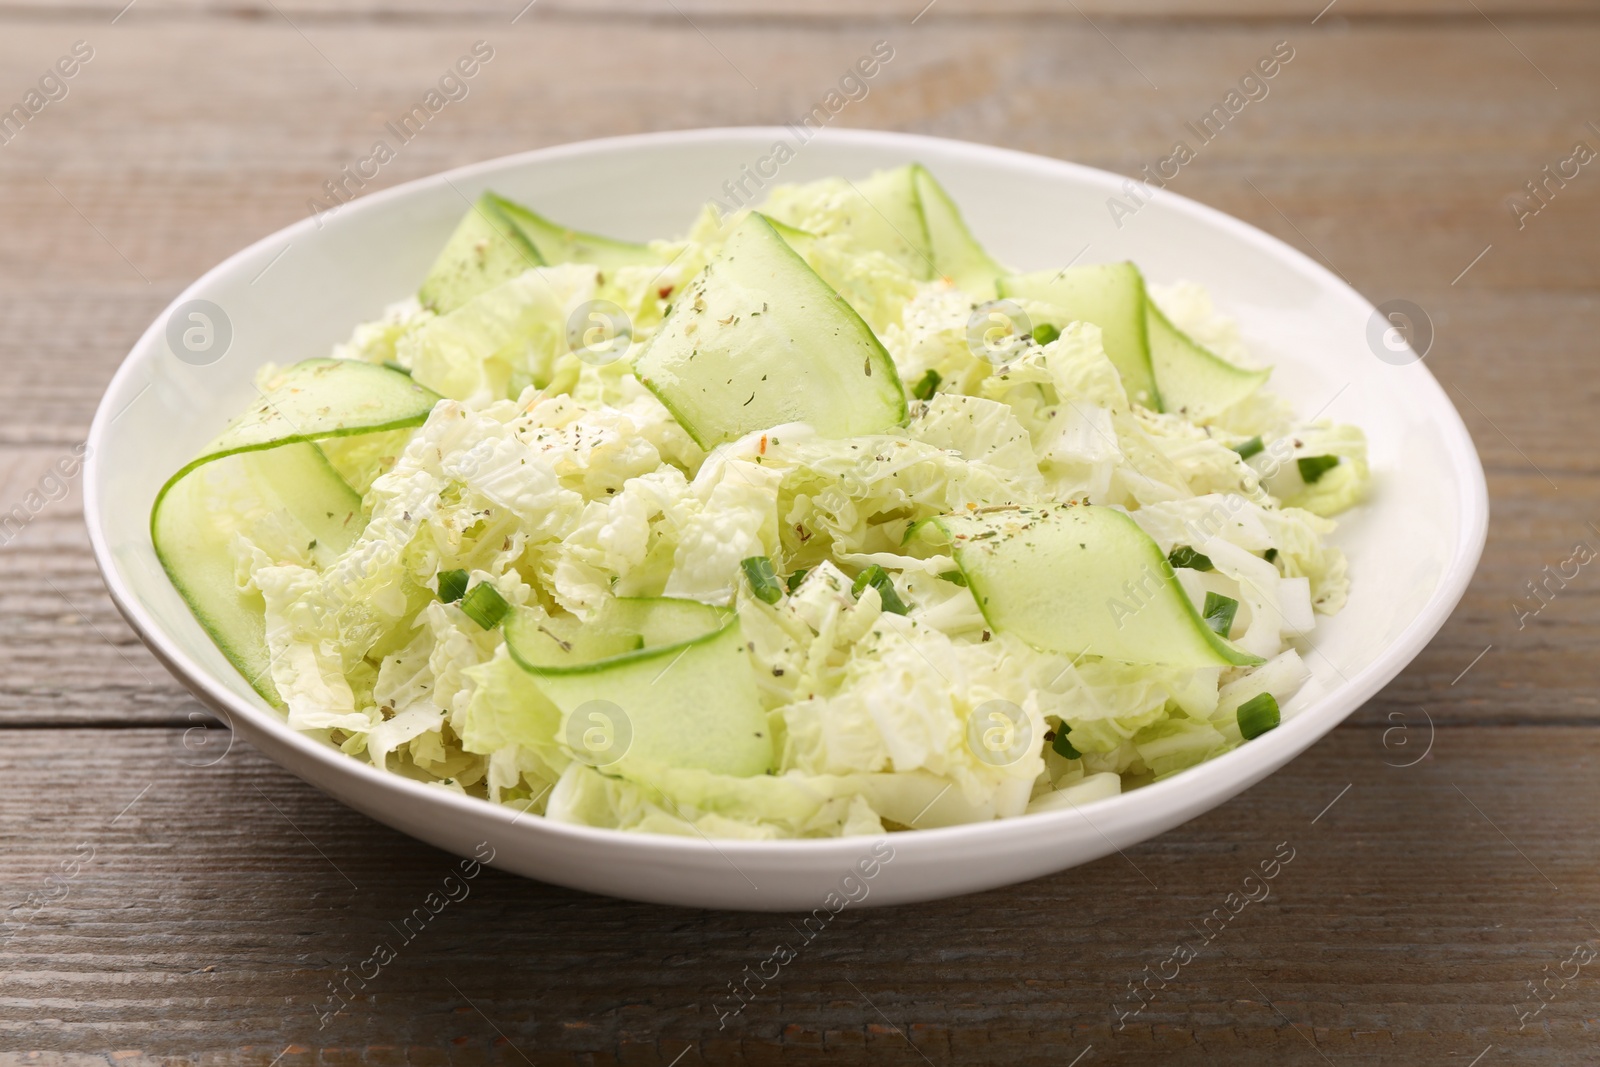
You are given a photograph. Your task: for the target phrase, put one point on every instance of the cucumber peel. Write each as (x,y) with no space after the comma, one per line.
(1080,579)
(498,239)
(1112,297)
(758,340)
(674,671)
(1194,381)
(956,254)
(558,244)
(267,464)
(800,240)
(1162,367)
(485,250)
(907,215)
(317,399)
(886,214)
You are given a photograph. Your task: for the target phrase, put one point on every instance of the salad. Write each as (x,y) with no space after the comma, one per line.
(818,521)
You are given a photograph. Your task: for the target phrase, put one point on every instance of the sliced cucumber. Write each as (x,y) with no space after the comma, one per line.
(1110,295)
(266,466)
(956,253)
(666,682)
(903,213)
(196,519)
(1081,580)
(1161,366)
(757,339)
(885,214)
(478,349)
(557,244)
(881,213)
(801,241)
(485,250)
(892,220)
(361,459)
(498,239)
(322,398)
(903,218)
(1193,380)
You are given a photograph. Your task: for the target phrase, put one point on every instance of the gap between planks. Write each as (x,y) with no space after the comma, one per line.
(1175,16)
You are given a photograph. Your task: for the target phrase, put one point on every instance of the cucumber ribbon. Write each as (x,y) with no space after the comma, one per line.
(1080,579)
(269,468)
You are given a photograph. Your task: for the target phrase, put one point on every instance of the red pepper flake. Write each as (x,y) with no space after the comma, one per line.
(665,291)
(763,446)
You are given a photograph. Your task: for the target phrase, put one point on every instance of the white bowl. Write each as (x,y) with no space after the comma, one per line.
(1412,549)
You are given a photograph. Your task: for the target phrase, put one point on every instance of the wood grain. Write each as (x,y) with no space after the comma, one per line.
(1403,928)
(209,921)
(788,11)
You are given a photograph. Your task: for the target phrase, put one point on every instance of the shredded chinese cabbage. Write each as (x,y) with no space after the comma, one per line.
(563,483)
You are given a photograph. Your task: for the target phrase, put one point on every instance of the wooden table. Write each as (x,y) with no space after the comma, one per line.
(175,896)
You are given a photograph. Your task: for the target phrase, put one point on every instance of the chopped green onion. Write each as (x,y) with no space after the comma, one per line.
(878,578)
(485,606)
(1184,556)
(1314,467)
(1258,715)
(452,585)
(797,577)
(1062,746)
(954,577)
(1045,333)
(1270,555)
(763,580)
(929,385)
(1219,612)
(1246,449)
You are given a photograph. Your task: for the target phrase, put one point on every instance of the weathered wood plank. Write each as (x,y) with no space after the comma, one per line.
(205,923)
(1328,144)
(788,11)
(1400,200)
(719,11)
(1394,232)
(206,927)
